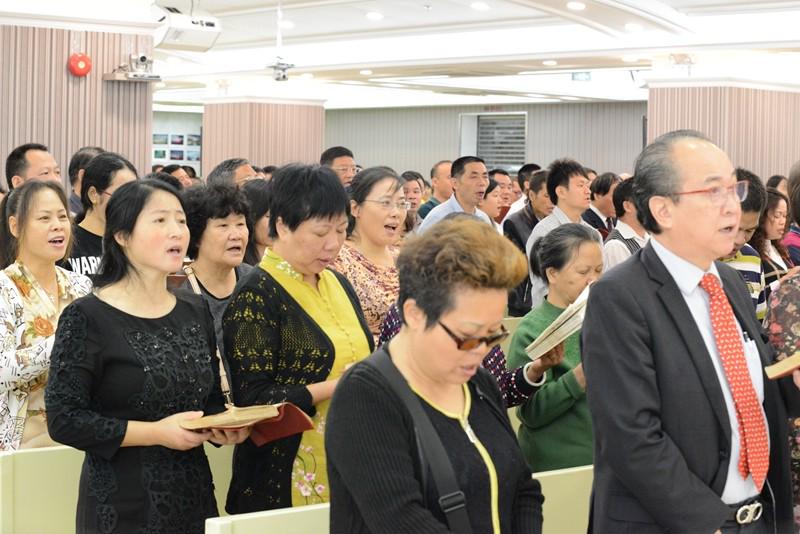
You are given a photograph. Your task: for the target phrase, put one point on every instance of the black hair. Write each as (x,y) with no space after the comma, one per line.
(190,171)
(99,173)
(164,177)
(498,171)
(258,194)
(412,175)
(17,163)
(362,186)
(756,199)
(775,180)
(491,187)
(123,211)
(655,175)
(557,248)
(525,172)
(590,171)
(603,183)
(538,179)
(269,169)
(334,152)
(80,160)
(215,201)
(158,167)
(623,192)
(303,192)
(169,169)
(460,165)
(759,239)
(559,173)
(18,203)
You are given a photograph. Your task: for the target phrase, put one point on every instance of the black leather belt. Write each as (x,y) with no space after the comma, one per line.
(746,512)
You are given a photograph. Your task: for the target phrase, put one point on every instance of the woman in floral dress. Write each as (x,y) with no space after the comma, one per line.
(34,235)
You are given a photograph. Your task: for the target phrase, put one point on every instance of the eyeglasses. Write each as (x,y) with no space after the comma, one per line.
(469,343)
(718,194)
(388,204)
(345,169)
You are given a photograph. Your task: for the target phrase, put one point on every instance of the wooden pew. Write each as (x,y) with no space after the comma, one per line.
(567,494)
(312,519)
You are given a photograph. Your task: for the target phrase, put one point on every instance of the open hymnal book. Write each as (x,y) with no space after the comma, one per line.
(566,324)
(269,422)
(783,367)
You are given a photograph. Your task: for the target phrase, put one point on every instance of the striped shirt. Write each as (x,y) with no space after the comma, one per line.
(748,263)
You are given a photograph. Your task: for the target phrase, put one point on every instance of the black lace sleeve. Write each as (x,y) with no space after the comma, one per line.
(251,329)
(74,367)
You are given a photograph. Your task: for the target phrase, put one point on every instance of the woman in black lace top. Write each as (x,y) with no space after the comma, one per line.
(129,364)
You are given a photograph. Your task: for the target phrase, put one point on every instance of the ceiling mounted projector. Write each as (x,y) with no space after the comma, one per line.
(194,32)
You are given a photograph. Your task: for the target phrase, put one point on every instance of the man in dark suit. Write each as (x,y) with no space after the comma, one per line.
(690,436)
(601,213)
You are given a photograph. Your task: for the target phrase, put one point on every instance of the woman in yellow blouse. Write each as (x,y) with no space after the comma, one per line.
(290,330)
(34,235)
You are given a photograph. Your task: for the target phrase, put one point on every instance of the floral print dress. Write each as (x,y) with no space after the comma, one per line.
(784,335)
(28,319)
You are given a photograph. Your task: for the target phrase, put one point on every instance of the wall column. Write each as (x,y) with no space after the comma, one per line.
(758,126)
(265,131)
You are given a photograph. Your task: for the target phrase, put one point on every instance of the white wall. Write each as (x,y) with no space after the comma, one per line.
(603,136)
(167,122)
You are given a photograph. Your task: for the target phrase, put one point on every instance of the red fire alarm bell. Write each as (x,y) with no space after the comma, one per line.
(79,64)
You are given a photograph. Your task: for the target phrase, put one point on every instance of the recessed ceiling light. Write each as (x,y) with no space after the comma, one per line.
(374,15)
(576,6)
(365,72)
(634,27)
(307,75)
(549,62)
(286,24)
(480,6)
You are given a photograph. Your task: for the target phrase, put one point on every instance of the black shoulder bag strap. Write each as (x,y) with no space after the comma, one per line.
(451,498)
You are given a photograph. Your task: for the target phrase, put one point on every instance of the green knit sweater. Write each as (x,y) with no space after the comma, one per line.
(556,430)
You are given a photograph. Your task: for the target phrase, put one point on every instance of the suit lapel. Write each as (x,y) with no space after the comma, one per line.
(693,342)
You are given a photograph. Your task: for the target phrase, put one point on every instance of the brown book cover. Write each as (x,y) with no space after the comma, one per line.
(269,422)
(783,367)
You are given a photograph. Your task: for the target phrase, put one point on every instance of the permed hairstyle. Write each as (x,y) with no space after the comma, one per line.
(303,192)
(455,254)
(204,202)
(557,248)
(18,203)
(122,212)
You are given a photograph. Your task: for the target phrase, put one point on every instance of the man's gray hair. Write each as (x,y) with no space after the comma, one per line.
(656,175)
(223,173)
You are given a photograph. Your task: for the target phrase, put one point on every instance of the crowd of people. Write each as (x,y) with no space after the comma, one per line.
(370,299)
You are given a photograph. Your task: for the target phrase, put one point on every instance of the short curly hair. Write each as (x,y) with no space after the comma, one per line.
(456,253)
(216,201)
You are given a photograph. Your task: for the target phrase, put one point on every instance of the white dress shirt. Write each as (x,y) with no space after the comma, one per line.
(515,207)
(446,208)
(687,276)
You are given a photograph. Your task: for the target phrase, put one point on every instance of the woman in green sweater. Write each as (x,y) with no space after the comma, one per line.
(556,431)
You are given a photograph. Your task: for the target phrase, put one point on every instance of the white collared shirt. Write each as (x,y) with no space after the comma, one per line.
(599,214)
(687,276)
(516,206)
(615,251)
(446,208)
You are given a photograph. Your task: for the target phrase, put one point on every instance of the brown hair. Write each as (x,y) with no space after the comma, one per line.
(18,203)
(462,252)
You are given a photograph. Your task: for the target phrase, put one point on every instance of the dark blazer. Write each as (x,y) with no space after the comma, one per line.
(596,221)
(662,434)
(517,228)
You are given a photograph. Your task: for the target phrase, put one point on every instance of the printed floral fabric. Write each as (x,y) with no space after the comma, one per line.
(28,319)
(784,335)
(377,286)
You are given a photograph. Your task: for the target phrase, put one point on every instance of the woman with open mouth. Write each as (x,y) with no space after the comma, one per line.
(34,235)
(377,213)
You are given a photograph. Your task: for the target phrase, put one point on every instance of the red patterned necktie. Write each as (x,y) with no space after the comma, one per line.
(754,451)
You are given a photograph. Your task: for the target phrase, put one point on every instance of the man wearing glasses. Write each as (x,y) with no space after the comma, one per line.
(31,161)
(690,436)
(342,162)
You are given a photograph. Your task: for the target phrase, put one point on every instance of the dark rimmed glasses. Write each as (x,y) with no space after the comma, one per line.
(470,343)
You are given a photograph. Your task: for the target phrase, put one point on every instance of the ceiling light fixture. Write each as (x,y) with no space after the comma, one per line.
(374,15)
(576,6)
(549,62)
(633,27)
(286,24)
(365,72)
(480,6)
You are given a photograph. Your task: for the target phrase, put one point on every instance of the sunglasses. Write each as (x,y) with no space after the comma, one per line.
(470,343)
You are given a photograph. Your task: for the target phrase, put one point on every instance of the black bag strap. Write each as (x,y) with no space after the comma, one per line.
(451,498)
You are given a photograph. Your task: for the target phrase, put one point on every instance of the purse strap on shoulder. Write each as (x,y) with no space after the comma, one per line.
(451,497)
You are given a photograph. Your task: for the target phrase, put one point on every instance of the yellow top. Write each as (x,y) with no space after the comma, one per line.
(329,306)
(464,420)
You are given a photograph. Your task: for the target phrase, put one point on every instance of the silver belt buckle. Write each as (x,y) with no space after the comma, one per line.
(749,513)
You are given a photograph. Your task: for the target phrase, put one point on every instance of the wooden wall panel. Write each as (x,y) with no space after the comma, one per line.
(606,136)
(759,129)
(264,133)
(40,101)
